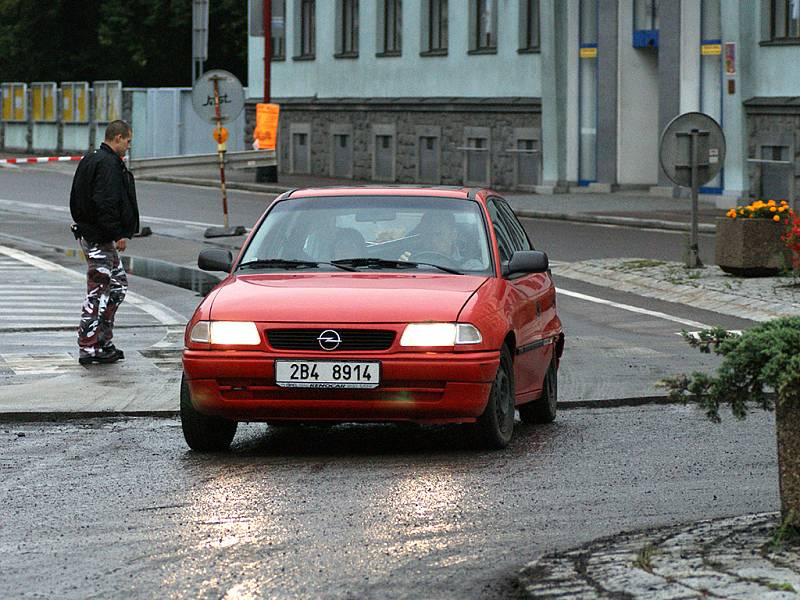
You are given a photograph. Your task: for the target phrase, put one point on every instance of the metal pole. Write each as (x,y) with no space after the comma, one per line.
(220,153)
(267,49)
(267,174)
(693,260)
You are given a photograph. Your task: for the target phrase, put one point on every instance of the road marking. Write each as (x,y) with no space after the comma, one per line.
(143,218)
(635,309)
(163,314)
(696,334)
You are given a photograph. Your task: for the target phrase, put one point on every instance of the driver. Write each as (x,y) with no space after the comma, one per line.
(435,237)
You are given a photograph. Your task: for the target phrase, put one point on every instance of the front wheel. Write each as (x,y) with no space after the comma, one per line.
(204,433)
(496,425)
(544,409)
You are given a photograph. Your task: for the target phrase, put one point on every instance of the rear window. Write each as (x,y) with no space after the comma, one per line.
(443,231)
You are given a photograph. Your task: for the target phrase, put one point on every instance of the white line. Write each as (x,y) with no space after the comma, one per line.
(635,309)
(27,310)
(143,218)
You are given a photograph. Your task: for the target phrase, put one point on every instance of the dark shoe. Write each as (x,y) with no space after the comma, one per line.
(100,359)
(112,348)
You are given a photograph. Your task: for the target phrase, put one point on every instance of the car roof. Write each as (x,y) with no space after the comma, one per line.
(386,190)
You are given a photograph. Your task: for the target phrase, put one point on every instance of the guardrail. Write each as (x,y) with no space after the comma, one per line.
(236,160)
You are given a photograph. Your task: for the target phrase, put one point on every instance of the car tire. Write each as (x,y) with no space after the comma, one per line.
(204,433)
(495,426)
(544,409)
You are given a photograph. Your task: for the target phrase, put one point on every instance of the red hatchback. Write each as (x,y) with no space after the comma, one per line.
(375,304)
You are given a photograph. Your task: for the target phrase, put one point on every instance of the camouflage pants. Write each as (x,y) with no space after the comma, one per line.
(106,285)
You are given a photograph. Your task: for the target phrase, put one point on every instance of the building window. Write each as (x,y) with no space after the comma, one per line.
(305,29)
(785,20)
(434,27)
(341,157)
(390,27)
(529,25)
(278,30)
(347,29)
(645,15)
(476,156)
(300,149)
(483,26)
(383,155)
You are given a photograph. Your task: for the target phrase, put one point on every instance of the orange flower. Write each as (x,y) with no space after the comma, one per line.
(776,218)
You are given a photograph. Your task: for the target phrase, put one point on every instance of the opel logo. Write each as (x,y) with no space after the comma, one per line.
(329,340)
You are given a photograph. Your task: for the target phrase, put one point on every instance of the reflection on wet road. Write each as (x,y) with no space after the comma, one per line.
(117,508)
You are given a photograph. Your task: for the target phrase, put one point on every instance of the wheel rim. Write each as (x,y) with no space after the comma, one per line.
(503,404)
(551,389)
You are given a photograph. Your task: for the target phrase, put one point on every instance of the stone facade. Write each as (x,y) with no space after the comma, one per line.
(450,120)
(773,132)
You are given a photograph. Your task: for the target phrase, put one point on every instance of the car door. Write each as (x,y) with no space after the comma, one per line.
(525,302)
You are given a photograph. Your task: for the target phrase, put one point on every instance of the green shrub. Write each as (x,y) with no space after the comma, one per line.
(762,359)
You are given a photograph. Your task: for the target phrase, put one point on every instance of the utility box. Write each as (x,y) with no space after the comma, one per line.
(15,115)
(75,116)
(44,128)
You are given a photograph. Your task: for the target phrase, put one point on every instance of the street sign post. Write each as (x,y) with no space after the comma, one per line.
(691,153)
(199,37)
(218,97)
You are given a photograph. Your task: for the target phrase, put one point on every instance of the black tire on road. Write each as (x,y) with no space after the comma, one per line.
(204,433)
(495,426)
(544,409)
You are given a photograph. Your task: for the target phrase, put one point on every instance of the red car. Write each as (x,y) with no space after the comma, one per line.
(375,304)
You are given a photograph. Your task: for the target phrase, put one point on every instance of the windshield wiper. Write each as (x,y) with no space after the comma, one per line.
(281,263)
(391,264)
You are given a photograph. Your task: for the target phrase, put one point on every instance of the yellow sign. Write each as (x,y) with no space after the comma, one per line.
(44,102)
(7,104)
(266,132)
(588,52)
(67,114)
(711,49)
(19,102)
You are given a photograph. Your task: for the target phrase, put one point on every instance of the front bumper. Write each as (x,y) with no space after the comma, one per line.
(429,387)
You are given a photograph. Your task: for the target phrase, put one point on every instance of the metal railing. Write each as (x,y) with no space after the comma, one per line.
(237,160)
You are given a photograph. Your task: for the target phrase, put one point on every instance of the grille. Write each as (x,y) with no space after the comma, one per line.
(352,339)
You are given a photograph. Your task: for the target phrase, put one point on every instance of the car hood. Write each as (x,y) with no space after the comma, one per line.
(344,297)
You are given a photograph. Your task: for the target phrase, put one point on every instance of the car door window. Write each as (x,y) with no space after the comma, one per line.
(504,240)
(515,229)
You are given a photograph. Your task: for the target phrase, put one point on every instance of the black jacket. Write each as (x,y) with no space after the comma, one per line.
(103,198)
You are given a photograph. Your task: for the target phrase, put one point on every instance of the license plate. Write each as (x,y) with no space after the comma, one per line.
(327,374)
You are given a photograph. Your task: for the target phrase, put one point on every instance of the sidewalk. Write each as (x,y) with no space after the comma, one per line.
(739,557)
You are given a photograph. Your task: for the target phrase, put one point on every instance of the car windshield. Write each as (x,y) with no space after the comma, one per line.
(368,233)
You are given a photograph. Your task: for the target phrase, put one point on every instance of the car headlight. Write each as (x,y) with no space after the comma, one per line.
(440,334)
(225,333)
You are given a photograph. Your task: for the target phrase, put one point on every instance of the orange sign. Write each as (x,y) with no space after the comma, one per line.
(221,135)
(266,132)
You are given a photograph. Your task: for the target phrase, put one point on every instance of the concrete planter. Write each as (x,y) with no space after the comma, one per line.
(750,247)
(787,421)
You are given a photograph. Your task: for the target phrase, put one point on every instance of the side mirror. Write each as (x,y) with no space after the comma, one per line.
(527,261)
(215,259)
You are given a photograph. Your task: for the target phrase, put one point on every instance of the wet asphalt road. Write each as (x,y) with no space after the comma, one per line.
(120,508)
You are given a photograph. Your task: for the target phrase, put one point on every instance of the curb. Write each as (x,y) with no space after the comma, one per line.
(618,402)
(730,304)
(188,278)
(56,417)
(527,214)
(621,221)
(51,416)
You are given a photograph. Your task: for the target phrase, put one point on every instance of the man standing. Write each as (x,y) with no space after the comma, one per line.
(103,206)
